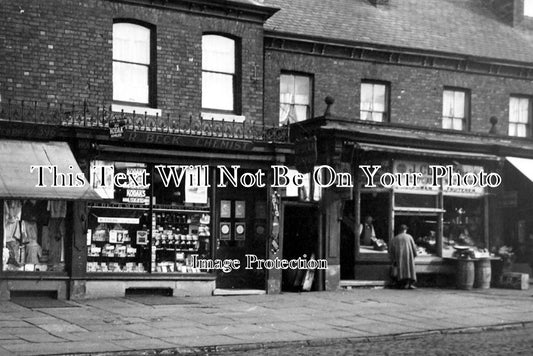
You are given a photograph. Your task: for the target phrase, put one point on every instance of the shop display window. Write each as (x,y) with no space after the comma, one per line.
(463,225)
(34,235)
(424,229)
(146,226)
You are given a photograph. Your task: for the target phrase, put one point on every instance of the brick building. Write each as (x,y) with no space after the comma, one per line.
(107,88)
(414,83)
(132,85)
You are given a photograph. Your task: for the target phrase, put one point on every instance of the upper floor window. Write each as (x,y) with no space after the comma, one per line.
(132,63)
(294,98)
(454,109)
(374,101)
(219,81)
(519,116)
(528,8)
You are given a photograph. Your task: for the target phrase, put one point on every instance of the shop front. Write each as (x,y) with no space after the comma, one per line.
(442,218)
(38,189)
(124,208)
(400,177)
(176,220)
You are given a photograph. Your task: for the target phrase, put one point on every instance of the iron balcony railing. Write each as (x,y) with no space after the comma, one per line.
(103,117)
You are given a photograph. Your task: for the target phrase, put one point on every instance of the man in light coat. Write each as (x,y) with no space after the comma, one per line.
(402,251)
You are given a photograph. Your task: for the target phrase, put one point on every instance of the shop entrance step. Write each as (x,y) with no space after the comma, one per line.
(220,291)
(350,284)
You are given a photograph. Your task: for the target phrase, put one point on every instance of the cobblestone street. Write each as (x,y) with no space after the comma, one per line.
(506,342)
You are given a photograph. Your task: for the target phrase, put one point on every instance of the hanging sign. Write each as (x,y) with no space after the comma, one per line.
(305,154)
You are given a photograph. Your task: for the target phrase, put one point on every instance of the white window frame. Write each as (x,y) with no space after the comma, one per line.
(451,120)
(289,103)
(373,110)
(141,38)
(519,116)
(215,69)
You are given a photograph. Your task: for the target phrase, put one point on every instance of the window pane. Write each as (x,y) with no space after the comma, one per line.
(217,91)
(366,115)
(35,234)
(286,86)
(377,116)
(218,54)
(131,43)
(528,8)
(521,130)
(513,109)
(447,103)
(512,129)
(130,82)
(523,110)
(366,97)
(302,90)
(284,111)
(446,123)
(301,112)
(457,124)
(379,98)
(459,104)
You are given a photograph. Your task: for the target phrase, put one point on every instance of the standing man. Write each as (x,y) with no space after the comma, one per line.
(402,252)
(366,231)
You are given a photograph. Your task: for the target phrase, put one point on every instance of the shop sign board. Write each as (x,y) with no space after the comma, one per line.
(28,130)
(305,153)
(187,141)
(116,129)
(463,169)
(424,182)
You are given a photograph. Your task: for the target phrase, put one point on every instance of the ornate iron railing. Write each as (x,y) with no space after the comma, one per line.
(104,117)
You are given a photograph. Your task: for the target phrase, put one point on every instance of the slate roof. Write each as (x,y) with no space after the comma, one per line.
(466,27)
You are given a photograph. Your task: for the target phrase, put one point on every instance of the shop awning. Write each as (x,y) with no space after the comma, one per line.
(17,181)
(426,152)
(524,165)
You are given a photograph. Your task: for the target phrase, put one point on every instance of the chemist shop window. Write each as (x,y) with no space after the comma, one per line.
(34,235)
(118,229)
(182,218)
(463,225)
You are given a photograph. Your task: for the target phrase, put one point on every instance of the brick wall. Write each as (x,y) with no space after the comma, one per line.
(61,51)
(416,93)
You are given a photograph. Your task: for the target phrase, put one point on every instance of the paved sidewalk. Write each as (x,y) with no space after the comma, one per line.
(198,325)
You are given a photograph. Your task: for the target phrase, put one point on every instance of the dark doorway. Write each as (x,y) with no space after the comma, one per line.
(300,238)
(242,229)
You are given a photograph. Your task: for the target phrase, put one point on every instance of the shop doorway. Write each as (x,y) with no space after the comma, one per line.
(241,230)
(301,231)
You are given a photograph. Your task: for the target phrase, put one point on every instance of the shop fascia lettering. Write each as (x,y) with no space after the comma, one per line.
(446,176)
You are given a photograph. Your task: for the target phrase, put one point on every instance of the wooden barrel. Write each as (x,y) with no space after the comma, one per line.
(483,274)
(465,274)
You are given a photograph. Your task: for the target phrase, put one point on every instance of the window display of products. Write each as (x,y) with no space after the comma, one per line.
(177,235)
(35,233)
(145,225)
(111,242)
